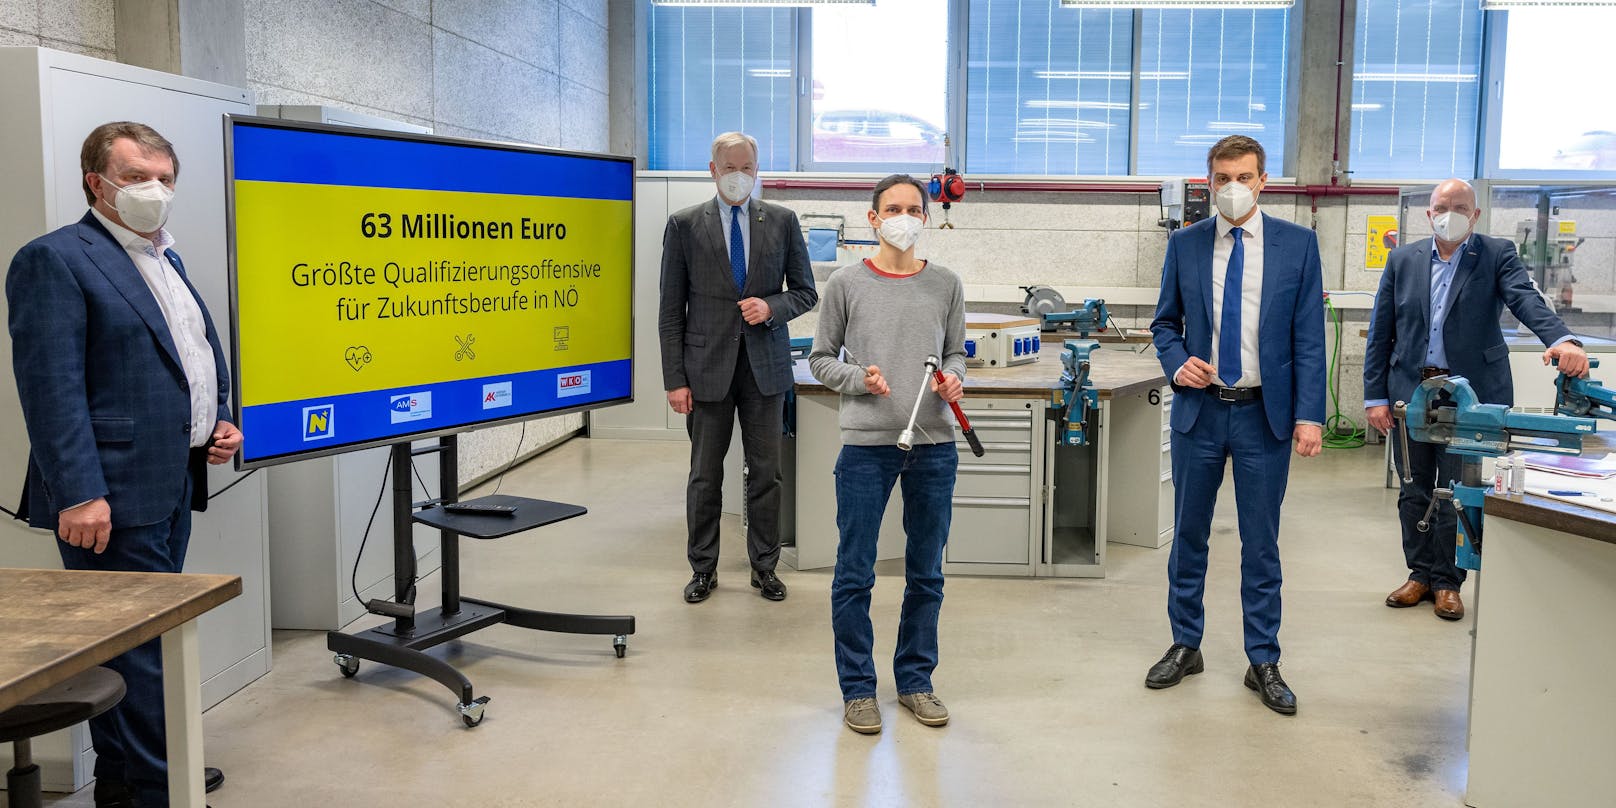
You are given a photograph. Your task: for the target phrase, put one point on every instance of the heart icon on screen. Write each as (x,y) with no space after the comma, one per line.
(358,356)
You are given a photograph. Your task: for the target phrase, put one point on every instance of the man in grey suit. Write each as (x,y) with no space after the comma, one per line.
(734,271)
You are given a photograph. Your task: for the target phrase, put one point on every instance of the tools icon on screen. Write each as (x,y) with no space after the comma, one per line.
(465,352)
(357,356)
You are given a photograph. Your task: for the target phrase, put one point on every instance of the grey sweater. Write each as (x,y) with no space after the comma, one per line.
(894,323)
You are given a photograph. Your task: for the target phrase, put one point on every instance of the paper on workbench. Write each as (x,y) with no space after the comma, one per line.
(1585,466)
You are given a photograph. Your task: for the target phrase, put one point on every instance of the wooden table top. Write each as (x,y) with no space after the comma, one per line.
(1115,370)
(55,624)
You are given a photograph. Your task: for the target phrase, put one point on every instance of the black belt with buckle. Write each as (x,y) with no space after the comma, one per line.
(1428,371)
(1235,394)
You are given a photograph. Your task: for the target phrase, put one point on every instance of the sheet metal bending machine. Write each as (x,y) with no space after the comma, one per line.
(1444,410)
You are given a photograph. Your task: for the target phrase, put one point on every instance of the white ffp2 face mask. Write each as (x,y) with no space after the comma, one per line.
(736,186)
(1235,200)
(901,231)
(143,206)
(1450,226)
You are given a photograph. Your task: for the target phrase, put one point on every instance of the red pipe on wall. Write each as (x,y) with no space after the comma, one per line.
(1083,187)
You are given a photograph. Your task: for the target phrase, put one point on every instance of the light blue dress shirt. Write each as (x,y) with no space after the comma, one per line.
(1442,272)
(746,226)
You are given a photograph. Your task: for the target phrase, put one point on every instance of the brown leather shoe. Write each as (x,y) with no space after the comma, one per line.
(1409,594)
(1448,605)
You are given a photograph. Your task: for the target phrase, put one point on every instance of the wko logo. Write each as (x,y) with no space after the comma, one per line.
(410,407)
(319,422)
(572,384)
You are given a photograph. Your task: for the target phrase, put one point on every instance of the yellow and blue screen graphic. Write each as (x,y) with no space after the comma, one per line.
(387,286)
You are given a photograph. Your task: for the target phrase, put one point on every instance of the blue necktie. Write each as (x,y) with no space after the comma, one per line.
(1229,332)
(737,249)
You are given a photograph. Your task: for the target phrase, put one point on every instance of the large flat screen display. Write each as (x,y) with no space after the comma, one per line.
(392,286)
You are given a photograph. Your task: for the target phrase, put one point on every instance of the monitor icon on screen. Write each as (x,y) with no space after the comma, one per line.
(319,421)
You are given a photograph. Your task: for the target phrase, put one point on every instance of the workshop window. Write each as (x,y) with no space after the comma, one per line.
(1206,74)
(1416,89)
(1048,89)
(879,98)
(1556,120)
(717,70)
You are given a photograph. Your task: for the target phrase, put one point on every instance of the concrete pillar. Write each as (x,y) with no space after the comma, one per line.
(627,62)
(204,39)
(1319,30)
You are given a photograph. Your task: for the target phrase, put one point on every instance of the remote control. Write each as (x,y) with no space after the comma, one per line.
(480,509)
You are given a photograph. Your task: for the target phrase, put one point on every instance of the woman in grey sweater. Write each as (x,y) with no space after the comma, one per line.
(878,322)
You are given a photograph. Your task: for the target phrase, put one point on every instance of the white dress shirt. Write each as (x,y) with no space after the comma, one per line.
(1251,278)
(184,317)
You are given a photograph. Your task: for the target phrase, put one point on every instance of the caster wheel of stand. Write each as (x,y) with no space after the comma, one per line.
(472,714)
(620,645)
(349,665)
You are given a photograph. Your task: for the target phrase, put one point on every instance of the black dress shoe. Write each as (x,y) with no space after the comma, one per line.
(701,585)
(1179,662)
(773,588)
(1271,688)
(111,793)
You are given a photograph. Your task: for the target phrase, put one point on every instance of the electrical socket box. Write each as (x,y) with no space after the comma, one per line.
(1001,340)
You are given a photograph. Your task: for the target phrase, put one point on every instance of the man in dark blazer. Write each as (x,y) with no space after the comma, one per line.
(1239,329)
(1412,337)
(123,386)
(734,271)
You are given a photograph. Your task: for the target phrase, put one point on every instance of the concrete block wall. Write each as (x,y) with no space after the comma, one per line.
(75,26)
(1111,240)
(527,71)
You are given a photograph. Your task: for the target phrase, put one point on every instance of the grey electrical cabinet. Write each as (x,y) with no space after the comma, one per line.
(52,100)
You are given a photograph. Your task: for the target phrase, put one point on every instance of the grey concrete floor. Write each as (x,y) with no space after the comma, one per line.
(734,701)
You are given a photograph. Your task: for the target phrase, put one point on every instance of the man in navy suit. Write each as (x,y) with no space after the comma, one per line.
(1412,338)
(123,386)
(1239,329)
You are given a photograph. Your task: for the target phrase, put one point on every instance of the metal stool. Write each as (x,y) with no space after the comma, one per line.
(80,698)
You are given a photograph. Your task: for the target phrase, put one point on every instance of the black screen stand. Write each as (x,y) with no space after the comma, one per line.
(402,643)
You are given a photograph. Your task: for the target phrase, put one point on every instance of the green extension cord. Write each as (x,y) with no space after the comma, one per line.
(1340,431)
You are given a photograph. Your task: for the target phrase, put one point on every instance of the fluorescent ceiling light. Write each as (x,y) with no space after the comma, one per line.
(1191,4)
(1505,5)
(714,3)
(1234,126)
(1066,104)
(1428,78)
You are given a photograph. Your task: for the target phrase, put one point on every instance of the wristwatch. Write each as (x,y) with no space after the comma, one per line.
(1575,341)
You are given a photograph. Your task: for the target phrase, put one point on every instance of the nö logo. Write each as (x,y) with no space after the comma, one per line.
(319,422)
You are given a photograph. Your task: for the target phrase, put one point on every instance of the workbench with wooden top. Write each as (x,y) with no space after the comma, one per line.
(1026,507)
(55,624)
(1542,716)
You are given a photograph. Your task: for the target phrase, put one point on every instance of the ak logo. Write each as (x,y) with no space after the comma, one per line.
(496,395)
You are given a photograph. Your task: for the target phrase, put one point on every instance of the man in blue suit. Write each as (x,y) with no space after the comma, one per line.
(1412,338)
(1239,329)
(123,386)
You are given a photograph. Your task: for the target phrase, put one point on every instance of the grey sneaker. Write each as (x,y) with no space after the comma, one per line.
(862,715)
(926,707)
